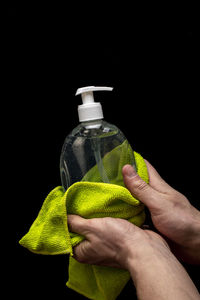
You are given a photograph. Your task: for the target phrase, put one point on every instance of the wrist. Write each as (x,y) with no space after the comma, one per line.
(145,255)
(189,249)
(148,265)
(159,275)
(197,225)
(190,245)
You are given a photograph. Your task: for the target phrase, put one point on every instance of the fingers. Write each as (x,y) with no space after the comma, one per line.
(138,187)
(78,224)
(80,251)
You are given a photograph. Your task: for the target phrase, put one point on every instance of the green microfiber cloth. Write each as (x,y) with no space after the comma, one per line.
(49,233)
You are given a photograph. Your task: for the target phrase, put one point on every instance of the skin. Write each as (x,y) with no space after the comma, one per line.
(171,212)
(145,254)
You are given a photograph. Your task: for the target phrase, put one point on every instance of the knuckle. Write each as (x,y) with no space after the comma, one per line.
(95,224)
(179,200)
(78,254)
(79,259)
(91,223)
(141,185)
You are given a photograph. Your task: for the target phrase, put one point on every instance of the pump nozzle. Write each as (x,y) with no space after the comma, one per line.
(90,110)
(93,89)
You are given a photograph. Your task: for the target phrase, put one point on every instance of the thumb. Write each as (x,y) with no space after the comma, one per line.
(138,187)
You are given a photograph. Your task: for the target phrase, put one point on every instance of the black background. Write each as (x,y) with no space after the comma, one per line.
(151,58)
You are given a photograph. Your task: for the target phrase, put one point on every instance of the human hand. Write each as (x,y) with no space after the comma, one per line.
(171,212)
(114,242)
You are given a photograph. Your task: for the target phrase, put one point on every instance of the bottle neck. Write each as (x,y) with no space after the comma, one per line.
(92,124)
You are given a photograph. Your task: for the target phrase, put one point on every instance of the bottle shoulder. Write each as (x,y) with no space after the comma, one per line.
(94,129)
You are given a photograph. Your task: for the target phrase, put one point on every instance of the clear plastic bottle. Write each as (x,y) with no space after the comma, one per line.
(95,150)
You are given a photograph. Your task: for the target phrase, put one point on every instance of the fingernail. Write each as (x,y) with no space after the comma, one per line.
(130,171)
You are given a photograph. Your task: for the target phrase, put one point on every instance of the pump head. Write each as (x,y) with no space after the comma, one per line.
(90,110)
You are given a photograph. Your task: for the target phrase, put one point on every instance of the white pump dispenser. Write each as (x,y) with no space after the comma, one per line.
(90,110)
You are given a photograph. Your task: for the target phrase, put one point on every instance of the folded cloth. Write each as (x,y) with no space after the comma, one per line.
(49,233)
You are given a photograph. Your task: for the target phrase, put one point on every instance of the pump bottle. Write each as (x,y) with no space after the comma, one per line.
(94,149)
